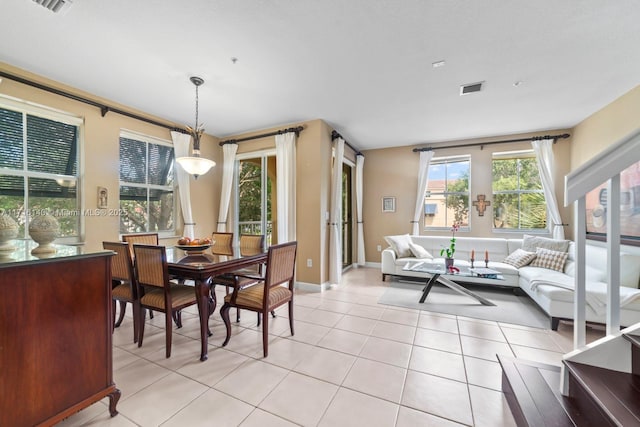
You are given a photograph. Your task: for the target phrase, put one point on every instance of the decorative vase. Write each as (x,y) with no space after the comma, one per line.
(448,262)
(44,229)
(8,231)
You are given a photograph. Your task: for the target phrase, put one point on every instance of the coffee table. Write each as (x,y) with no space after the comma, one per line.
(446,278)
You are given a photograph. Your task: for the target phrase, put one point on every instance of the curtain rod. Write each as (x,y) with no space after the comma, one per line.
(481,144)
(104,109)
(297,130)
(335,135)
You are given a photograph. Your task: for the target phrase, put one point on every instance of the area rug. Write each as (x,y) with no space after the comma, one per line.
(509,308)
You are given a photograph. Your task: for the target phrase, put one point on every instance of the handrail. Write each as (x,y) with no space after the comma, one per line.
(602,167)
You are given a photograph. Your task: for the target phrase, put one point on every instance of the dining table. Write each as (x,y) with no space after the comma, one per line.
(201,267)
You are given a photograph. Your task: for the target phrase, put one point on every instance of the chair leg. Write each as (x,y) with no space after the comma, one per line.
(168,325)
(224,312)
(177,317)
(136,320)
(258,319)
(291,316)
(123,307)
(141,323)
(273,314)
(237,315)
(265,334)
(150,314)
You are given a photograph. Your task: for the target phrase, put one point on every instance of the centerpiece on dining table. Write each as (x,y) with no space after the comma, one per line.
(194,246)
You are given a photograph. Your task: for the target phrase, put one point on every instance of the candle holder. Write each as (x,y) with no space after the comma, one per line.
(472,262)
(486,263)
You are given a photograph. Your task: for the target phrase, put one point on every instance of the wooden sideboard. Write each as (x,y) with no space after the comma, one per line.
(55,335)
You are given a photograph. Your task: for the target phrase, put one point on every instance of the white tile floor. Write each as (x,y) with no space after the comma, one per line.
(351,362)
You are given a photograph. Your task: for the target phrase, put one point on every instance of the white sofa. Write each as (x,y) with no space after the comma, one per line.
(551,290)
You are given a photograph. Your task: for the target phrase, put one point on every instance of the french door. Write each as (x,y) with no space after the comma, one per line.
(256,195)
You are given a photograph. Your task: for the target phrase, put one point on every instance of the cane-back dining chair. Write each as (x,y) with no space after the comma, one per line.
(272,291)
(140,239)
(157,292)
(222,243)
(124,286)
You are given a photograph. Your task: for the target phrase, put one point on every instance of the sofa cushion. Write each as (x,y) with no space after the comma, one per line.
(553,260)
(519,258)
(629,270)
(400,244)
(531,243)
(419,252)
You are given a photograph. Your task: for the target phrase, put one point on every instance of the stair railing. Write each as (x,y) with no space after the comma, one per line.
(606,166)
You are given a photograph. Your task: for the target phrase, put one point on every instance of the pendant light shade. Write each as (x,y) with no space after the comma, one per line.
(196,165)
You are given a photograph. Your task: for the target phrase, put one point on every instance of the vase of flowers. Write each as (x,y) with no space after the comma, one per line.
(448,253)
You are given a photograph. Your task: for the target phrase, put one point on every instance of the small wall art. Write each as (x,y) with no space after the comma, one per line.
(103,198)
(388,204)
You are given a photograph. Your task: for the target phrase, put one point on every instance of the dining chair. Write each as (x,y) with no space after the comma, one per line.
(272,291)
(124,287)
(222,243)
(142,239)
(157,292)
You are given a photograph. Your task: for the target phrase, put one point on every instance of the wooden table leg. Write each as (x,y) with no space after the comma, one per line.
(203,299)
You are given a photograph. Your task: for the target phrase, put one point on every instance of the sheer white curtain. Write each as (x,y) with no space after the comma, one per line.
(423,175)
(359,189)
(228,165)
(286,186)
(544,155)
(181,149)
(335,244)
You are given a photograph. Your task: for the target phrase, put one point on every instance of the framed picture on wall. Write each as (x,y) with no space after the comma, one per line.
(388,204)
(597,215)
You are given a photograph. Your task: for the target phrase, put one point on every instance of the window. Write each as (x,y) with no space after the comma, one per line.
(147,200)
(519,202)
(39,165)
(447,197)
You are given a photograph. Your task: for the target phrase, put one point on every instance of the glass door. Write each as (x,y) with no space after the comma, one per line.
(347,217)
(255,196)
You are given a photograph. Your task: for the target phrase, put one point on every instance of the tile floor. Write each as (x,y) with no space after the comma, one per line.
(351,362)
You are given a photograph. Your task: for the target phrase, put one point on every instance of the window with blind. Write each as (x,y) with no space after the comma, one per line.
(39,166)
(447,198)
(147,201)
(519,202)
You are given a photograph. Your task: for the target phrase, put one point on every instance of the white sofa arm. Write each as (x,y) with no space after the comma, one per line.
(388,262)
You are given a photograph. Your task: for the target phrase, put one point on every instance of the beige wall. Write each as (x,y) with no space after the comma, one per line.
(100,155)
(606,127)
(393,172)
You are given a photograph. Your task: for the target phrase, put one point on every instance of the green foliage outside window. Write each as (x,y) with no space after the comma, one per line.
(519,201)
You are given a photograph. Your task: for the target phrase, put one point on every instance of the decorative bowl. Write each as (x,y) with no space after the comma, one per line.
(194,249)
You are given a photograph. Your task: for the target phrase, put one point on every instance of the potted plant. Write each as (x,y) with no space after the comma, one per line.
(447,253)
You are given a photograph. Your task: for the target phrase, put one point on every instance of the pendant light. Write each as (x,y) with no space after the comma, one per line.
(196,165)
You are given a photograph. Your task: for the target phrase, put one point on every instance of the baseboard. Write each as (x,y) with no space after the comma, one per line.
(311,287)
(373,264)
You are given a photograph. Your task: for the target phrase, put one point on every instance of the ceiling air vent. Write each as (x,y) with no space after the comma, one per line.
(55,6)
(470,88)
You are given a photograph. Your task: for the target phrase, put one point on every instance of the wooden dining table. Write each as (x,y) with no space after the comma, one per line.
(201,268)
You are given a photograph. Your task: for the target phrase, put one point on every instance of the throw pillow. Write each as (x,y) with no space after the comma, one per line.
(519,258)
(400,244)
(552,260)
(531,243)
(419,252)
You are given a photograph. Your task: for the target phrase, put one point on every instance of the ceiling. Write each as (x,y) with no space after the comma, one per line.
(364,66)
